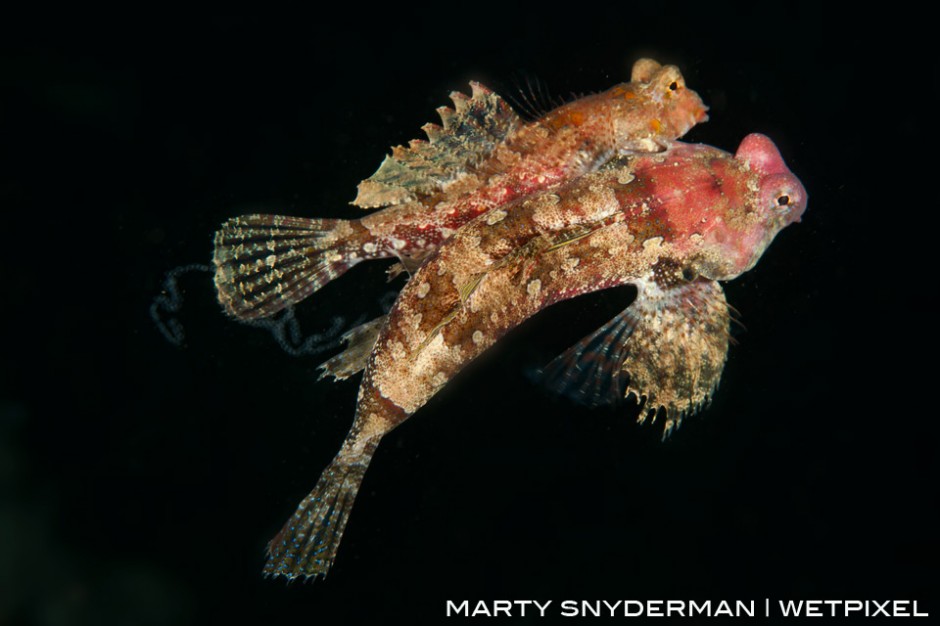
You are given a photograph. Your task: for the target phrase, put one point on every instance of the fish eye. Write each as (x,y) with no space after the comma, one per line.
(674,85)
(783,200)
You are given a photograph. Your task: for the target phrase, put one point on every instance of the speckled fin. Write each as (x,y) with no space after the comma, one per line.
(668,348)
(471,131)
(359,343)
(306,546)
(264,263)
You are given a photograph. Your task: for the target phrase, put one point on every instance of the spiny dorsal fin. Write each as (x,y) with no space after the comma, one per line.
(470,132)
(668,348)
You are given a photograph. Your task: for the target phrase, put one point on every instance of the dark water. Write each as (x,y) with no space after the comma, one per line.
(140,481)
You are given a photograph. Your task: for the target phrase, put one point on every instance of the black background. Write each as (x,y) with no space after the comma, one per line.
(141,481)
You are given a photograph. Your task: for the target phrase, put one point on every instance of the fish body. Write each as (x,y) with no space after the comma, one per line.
(672,224)
(482,157)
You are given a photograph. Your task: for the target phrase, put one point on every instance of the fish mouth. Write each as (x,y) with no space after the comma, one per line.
(696,118)
(701,114)
(696,115)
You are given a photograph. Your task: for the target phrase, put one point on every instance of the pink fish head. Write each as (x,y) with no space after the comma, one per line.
(722,210)
(781,193)
(770,199)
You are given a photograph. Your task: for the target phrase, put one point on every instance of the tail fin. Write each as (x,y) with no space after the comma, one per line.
(307,544)
(264,263)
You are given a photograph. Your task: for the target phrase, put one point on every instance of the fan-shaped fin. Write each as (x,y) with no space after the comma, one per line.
(668,348)
(267,262)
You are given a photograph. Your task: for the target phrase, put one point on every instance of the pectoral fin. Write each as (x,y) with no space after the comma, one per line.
(359,343)
(409,264)
(668,348)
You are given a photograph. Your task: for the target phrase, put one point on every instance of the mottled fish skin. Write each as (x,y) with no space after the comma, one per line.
(672,224)
(697,211)
(483,157)
(576,138)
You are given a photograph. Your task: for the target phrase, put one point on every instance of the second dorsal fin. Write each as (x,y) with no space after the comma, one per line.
(470,132)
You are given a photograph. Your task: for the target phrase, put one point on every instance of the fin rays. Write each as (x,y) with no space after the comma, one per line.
(265,263)
(307,544)
(359,343)
(589,372)
(668,349)
(469,132)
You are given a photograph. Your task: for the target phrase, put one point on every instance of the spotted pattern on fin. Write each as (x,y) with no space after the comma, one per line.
(668,348)
(264,263)
(470,132)
(306,546)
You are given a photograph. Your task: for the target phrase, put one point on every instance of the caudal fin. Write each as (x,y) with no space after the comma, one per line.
(264,263)
(307,544)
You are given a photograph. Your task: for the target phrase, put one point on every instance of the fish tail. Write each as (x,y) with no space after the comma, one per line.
(306,546)
(264,263)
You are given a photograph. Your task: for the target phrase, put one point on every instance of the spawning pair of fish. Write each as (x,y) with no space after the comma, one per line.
(495,219)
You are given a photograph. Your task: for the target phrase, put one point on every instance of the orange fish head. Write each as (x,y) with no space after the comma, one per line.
(656,106)
(677,107)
